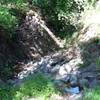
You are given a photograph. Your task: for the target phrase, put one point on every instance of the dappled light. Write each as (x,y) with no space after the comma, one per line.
(49,49)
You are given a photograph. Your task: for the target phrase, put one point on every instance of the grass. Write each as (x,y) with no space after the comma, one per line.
(37,86)
(93,94)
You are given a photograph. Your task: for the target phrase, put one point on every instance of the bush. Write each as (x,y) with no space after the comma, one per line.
(93,94)
(7,21)
(5,92)
(33,86)
(37,85)
(61,14)
(16,2)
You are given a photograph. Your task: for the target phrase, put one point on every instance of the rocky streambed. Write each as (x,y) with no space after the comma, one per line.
(64,70)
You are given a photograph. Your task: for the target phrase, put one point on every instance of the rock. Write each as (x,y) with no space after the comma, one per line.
(23,74)
(83,83)
(68,67)
(55,69)
(65,79)
(72,90)
(73,80)
(62,71)
(65,69)
(45,70)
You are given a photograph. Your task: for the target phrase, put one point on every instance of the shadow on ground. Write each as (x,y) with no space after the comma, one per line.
(90,51)
(26,45)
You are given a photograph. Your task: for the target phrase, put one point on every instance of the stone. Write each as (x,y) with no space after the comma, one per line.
(62,71)
(68,68)
(45,70)
(65,79)
(73,80)
(55,69)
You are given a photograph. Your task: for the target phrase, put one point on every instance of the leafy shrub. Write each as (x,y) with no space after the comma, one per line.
(16,2)
(61,14)
(12,13)
(36,86)
(64,15)
(5,92)
(7,21)
(8,16)
(93,94)
(7,69)
(58,6)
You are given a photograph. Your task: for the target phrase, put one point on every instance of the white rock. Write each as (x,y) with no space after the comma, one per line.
(62,71)
(68,68)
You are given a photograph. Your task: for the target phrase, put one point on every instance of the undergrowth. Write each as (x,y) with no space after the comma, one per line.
(32,86)
(92,94)
(7,20)
(9,17)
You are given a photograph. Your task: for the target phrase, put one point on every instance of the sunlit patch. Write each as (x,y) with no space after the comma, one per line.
(91,21)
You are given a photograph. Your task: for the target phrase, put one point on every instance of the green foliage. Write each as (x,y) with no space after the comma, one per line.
(33,86)
(63,15)
(7,70)
(93,94)
(91,2)
(37,85)
(58,6)
(7,21)
(60,14)
(5,92)
(16,2)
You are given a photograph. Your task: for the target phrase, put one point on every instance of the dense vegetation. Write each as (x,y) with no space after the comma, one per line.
(63,13)
(63,17)
(38,86)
